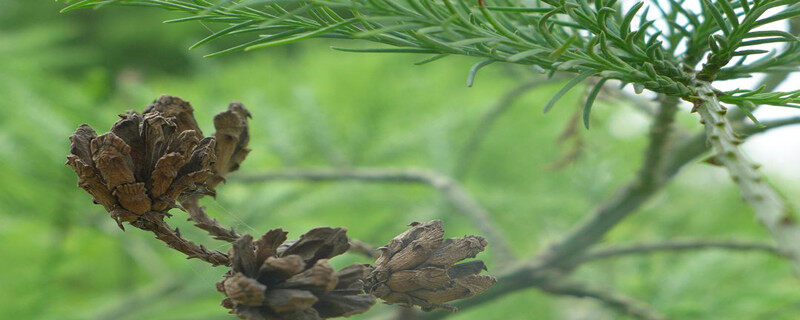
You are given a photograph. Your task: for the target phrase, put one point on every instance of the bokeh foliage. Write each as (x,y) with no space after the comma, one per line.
(63,259)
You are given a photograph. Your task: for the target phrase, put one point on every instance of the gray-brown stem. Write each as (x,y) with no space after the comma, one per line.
(770,206)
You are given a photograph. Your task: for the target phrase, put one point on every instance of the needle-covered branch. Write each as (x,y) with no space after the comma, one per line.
(770,206)
(456,195)
(602,39)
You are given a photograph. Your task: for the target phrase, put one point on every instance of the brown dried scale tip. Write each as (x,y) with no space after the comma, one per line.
(148,161)
(418,267)
(274,279)
(232,138)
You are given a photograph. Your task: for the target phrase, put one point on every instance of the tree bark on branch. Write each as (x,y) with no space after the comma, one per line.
(769,205)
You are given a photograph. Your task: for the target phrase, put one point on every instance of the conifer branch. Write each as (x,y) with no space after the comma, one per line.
(770,206)
(552,35)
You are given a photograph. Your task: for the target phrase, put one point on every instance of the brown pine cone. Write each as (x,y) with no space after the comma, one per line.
(148,161)
(232,138)
(418,267)
(270,279)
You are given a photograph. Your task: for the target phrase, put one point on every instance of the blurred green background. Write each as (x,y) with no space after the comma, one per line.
(63,258)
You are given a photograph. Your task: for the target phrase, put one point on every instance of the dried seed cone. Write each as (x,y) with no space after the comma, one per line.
(148,161)
(420,268)
(274,279)
(232,138)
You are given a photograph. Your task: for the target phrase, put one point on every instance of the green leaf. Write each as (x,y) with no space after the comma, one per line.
(762,41)
(519,9)
(564,46)
(747,107)
(587,107)
(771,33)
(385,50)
(431,59)
(386,29)
(569,64)
(745,5)
(223,32)
(77,5)
(474,70)
(203,18)
(625,25)
(728,10)
(254,42)
(304,35)
(749,52)
(572,83)
(717,16)
(525,54)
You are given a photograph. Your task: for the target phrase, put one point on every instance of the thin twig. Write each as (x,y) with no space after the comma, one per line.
(479,134)
(198,215)
(621,303)
(219,232)
(550,280)
(172,237)
(452,191)
(625,201)
(769,205)
(539,276)
(162,290)
(364,249)
(676,245)
(536,276)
